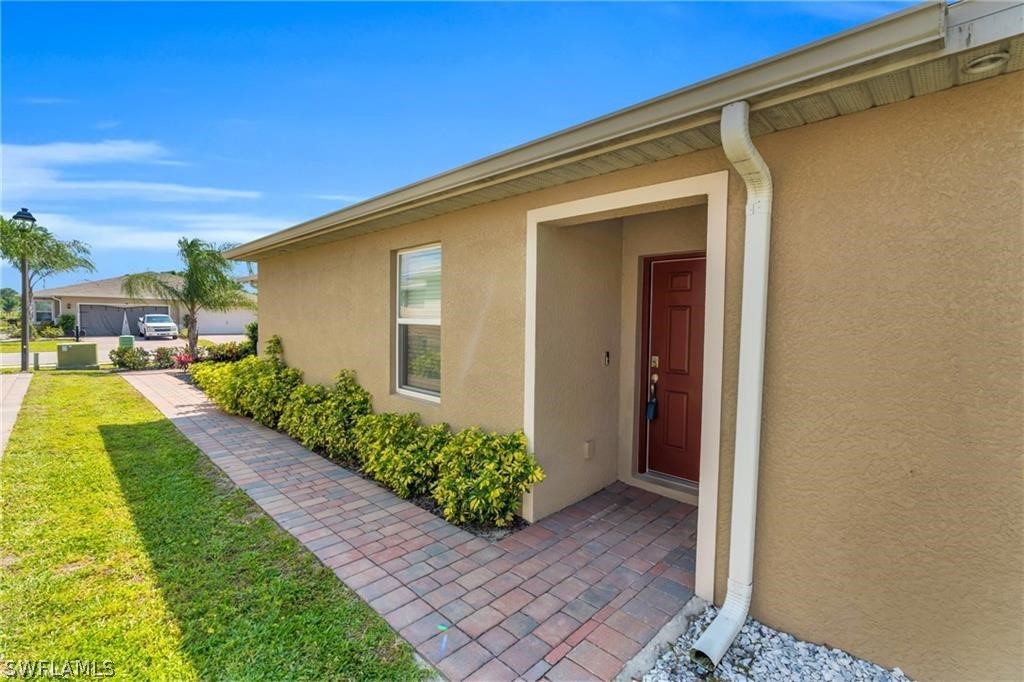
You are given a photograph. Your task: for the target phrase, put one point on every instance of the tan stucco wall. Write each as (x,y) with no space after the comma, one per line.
(890,508)
(578,288)
(891,477)
(333,307)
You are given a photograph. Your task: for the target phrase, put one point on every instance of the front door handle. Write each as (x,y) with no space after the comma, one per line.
(652,399)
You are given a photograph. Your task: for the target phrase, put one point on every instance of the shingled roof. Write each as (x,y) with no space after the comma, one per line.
(100,288)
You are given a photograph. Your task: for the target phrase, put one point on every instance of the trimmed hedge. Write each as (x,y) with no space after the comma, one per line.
(252,387)
(226,352)
(475,477)
(163,357)
(130,358)
(322,418)
(400,453)
(166,357)
(482,476)
(48,330)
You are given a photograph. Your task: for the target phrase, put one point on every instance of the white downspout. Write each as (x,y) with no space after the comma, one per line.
(739,148)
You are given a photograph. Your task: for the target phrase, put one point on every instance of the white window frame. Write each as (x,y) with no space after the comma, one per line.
(35,311)
(409,391)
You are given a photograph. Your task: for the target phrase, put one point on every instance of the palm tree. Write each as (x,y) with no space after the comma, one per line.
(206,283)
(36,253)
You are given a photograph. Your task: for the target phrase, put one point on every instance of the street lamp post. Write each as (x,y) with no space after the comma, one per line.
(23,216)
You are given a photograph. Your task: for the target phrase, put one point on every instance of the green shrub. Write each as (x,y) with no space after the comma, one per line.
(475,477)
(12,327)
(216,380)
(252,387)
(322,418)
(130,358)
(400,453)
(260,388)
(163,357)
(66,322)
(227,352)
(252,333)
(274,349)
(47,330)
(482,476)
(303,416)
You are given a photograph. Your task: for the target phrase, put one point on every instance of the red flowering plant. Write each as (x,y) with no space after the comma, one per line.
(183,359)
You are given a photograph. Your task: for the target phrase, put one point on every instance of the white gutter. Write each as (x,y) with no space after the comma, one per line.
(740,150)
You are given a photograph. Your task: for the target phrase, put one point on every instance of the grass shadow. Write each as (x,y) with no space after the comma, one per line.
(250,601)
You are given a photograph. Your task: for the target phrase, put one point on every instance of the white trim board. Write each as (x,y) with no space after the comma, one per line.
(714,186)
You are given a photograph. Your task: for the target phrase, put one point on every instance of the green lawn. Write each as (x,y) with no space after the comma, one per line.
(120,541)
(39,345)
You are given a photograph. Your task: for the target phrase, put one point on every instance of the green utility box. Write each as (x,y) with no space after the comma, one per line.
(77,356)
(126,341)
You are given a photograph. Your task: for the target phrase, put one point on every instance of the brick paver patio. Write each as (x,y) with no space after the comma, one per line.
(572,597)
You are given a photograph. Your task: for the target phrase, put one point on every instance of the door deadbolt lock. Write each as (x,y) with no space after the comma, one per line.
(654,362)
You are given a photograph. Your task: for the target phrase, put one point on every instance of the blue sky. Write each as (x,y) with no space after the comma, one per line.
(128,125)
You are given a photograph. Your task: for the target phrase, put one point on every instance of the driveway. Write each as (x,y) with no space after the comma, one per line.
(105,344)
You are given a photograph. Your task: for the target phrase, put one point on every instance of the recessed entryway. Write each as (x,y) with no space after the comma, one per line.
(587,375)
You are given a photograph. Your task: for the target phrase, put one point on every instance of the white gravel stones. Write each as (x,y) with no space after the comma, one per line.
(763,654)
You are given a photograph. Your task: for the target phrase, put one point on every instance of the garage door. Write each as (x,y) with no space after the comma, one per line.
(106,320)
(229,322)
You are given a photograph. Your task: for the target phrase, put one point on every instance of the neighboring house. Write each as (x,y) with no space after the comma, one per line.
(542,288)
(100,308)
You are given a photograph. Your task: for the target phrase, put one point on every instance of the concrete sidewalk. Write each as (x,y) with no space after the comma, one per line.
(12,392)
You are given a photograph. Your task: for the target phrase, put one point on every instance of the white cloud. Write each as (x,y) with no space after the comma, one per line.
(250,226)
(78,153)
(106,125)
(161,231)
(346,198)
(39,171)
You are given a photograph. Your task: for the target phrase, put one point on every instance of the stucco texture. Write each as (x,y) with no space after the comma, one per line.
(891,490)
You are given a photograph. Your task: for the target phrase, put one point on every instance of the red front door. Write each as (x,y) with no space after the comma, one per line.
(674,365)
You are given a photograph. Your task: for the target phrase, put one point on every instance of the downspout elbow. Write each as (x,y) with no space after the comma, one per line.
(739,148)
(709,650)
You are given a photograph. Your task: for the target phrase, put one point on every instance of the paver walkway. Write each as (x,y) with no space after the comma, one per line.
(572,597)
(12,391)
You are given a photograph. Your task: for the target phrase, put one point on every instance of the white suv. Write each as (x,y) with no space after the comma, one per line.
(157,325)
